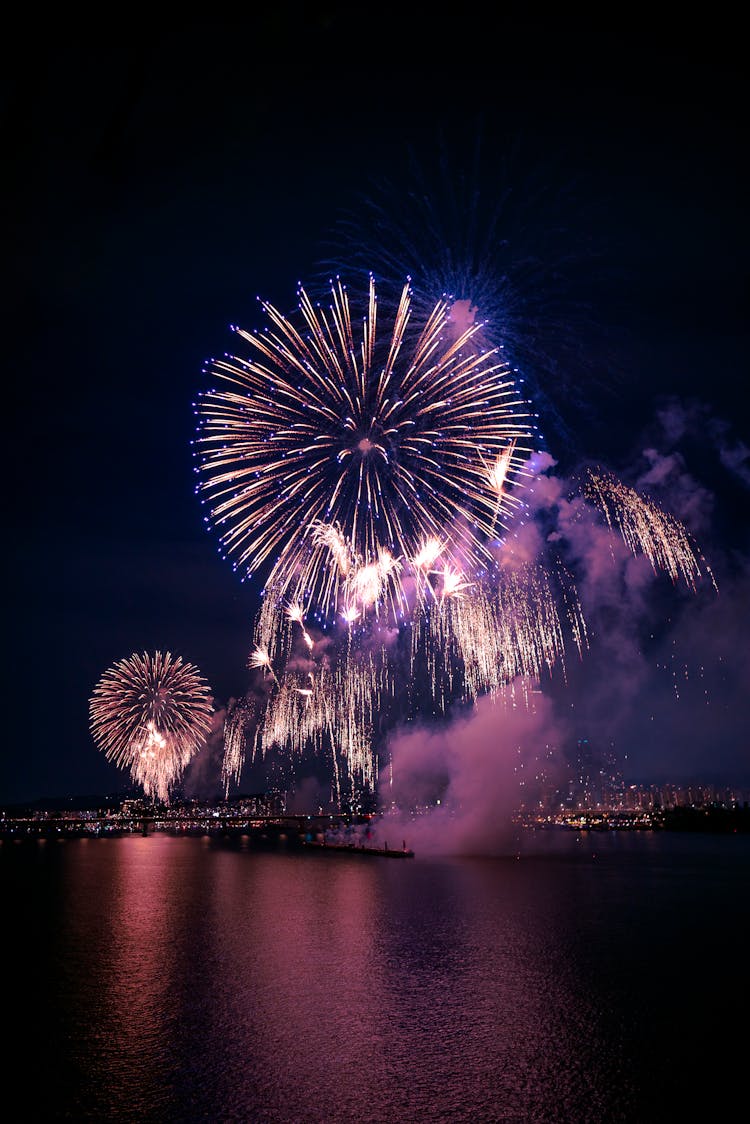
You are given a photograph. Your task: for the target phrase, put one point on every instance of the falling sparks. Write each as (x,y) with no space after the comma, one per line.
(646,529)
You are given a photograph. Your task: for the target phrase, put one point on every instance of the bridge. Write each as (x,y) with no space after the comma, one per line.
(293,827)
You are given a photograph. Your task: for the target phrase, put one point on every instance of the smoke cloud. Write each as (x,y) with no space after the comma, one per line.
(456,790)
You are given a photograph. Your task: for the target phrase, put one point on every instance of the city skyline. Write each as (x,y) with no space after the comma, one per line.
(581,779)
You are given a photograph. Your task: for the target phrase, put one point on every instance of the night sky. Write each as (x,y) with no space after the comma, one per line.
(159,179)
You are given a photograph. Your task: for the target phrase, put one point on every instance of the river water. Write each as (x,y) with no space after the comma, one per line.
(583,978)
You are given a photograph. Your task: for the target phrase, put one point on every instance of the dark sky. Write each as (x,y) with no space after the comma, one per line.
(159,178)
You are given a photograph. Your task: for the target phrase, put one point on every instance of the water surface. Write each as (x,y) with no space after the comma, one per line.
(583,978)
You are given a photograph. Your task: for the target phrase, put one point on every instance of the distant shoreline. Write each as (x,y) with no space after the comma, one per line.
(282,830)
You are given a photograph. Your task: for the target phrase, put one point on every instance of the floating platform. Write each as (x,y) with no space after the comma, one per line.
(358,849)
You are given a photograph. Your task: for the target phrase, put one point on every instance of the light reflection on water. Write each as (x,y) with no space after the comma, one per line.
(585,978)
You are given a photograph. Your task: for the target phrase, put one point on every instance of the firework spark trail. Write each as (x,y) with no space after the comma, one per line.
(482,637)
(151,714)
(241,715)
(646,529)
(332,710)
(532,637)
(422,565)
(297,613)
(497,473)
(260,657)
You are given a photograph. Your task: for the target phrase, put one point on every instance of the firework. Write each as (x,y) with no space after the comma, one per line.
(477,638)
(646,529)
(332,710)
(511,255)
(372,479)
(241,716)
(260,657)
(326,446)
(151,714)
(354,469)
